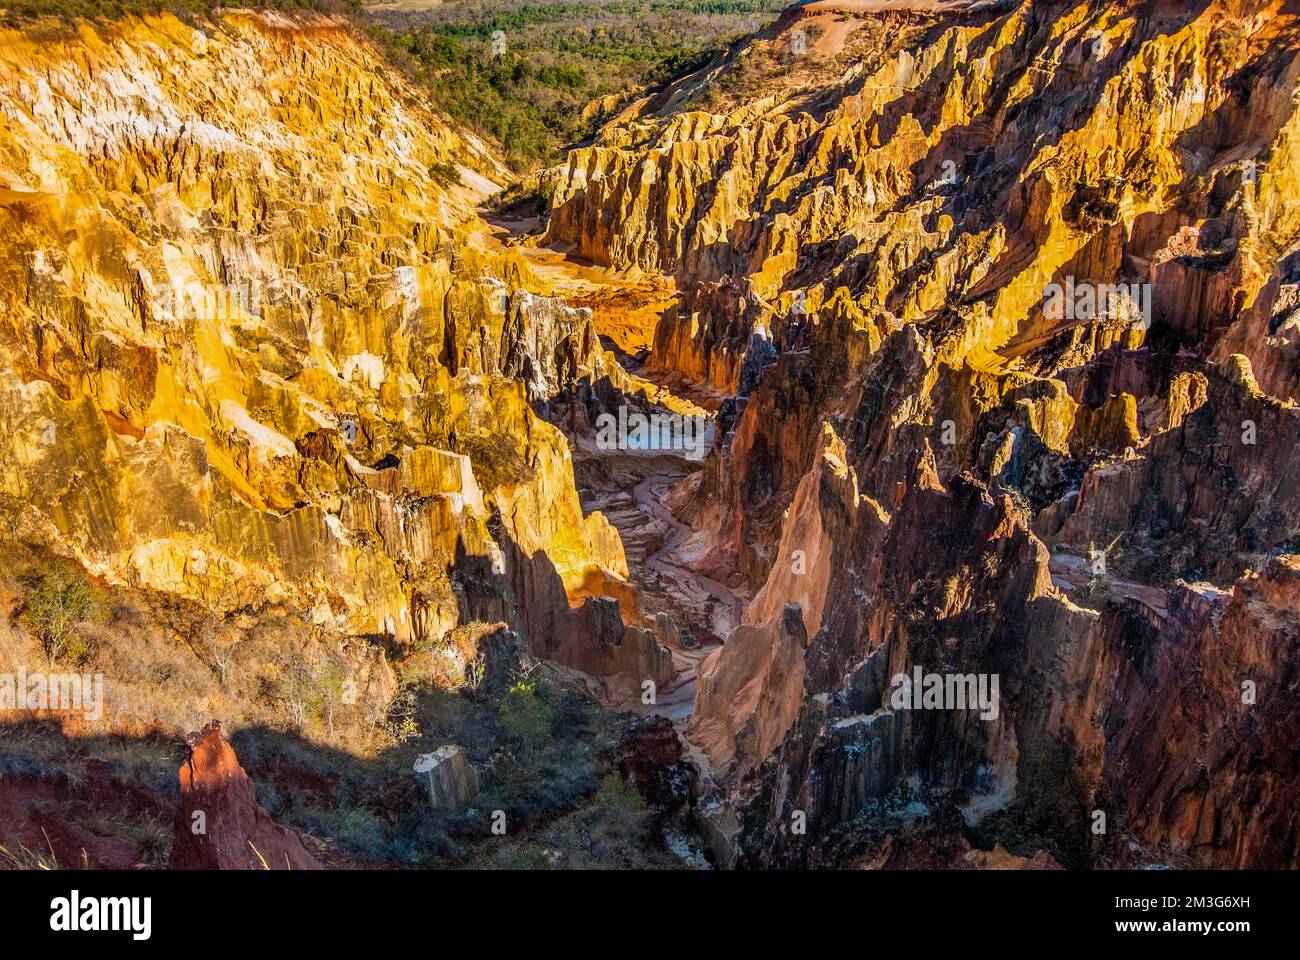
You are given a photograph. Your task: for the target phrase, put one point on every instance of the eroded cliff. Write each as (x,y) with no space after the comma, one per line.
(252,331)
(1029,274)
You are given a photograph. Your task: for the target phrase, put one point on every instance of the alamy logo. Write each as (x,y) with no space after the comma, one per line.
(221,301)
(53,691)
(1093,301)
(76,913)
(946,691)
(684,433)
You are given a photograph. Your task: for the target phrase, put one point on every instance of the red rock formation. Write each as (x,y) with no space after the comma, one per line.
(219,825)
(1200,722)
(651,759)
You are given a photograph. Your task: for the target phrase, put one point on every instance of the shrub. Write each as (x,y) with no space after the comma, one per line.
(526,717)
(497,460)
(310,686)
(360,832)
(12,509)
(60,603)
(609,830)
(399,721)
(445,174)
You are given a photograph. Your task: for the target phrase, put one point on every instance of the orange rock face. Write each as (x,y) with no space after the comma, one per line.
(219,825)
(295,357)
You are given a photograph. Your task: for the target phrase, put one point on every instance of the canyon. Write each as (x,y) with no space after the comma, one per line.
(321,421)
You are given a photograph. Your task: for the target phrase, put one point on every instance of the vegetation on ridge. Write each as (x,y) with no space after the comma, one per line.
(535,78)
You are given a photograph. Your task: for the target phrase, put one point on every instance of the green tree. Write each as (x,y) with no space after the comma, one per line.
(526,717)
(59,605)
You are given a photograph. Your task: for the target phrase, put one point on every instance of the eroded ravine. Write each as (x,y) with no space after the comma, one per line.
(634,497)
(937,477)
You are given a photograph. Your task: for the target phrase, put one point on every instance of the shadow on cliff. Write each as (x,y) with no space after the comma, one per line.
(586,633)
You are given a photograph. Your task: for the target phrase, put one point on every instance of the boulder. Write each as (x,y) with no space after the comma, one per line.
(452,781)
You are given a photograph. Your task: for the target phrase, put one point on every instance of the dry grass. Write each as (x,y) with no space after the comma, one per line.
(22,858)
(168,670)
